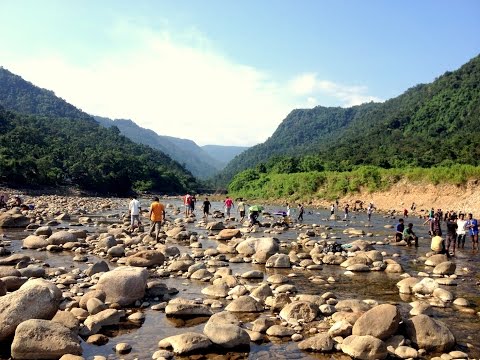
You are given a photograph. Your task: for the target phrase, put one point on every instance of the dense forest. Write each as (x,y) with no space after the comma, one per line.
(44,150)
(428,125)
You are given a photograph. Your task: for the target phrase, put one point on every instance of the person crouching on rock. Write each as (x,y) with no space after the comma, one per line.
(254,218)
(409,235)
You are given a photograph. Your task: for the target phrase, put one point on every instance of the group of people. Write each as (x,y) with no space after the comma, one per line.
(457,229)
(156,215)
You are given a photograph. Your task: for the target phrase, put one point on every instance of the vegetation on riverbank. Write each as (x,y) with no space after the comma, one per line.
(329,185)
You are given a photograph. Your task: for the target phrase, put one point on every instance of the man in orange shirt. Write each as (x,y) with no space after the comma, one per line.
(157,215)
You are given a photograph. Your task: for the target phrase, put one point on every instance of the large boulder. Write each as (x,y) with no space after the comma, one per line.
(260,248)
(146,258)
(382,321)
(35,242)
(36,299)
(61,237)
(434,260)
(186,343)
(318,343)
(11,219)
(123,285)
(223,329)
(429,334)
(300,310)
(44,339)
(278,261)
(364,347)
(445,268)
(186,308)
(227,234)
(244,303)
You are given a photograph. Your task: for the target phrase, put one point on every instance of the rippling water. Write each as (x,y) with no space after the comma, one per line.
(374,285)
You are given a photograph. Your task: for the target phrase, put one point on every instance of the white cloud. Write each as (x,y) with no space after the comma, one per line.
(179,85)
(348,95)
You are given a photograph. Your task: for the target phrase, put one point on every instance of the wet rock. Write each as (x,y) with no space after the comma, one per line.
(406,352)
(116,251)
(43,230)
(435,260)
(461,302)
(227,234)
(94,294)
(262,324)
(106,242)
(425,287)
(67,319)
(33,271)
(300,310)
(278,261)
(218,290)
(186,308)
(445,268)
(94,306)
(405,285)
(394,268)
(358,268)
(123,348)
(43,339)
(352,305)
(34,242)
(364,347)
(61,237)
(382,321)
(36,299)
(104,318)
(97,267)
(318,343)
(223,329)
(253,274)
(180,265)
(97,339)
(13,283)
(123,285)
(341,328)
(429,334)
(214,225)
(279,331)
(146,258)
(244,303)
(11,219)
(14,259)
(188,342)
(261,293)
(442,294)
(261,249)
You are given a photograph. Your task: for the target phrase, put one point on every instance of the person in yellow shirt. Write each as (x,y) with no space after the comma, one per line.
(438,245)
(157,216)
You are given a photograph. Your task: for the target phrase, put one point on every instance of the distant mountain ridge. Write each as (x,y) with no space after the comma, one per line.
(224,153)
(185,151)
(427,125)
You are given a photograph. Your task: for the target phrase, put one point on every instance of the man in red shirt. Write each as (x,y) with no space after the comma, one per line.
(228,206)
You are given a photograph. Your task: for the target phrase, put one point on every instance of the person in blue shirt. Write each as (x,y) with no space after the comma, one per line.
(400,228)
(472,226)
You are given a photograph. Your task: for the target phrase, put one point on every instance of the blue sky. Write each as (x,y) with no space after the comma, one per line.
(224,72)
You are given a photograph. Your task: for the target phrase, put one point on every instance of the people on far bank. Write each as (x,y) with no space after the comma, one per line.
(134,209)
(157,217)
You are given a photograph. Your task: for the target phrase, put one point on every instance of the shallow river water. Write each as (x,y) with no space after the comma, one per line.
(374,285)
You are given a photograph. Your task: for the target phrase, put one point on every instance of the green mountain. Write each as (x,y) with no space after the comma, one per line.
(19,95)
(184,151)
(223,153)
(46,141)
(430,124)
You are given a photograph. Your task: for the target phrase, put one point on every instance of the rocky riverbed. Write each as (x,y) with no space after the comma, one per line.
(77,282)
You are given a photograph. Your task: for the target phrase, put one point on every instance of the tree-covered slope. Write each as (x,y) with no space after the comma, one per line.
(21,96)
(185,151)
(42,150)
(429,124)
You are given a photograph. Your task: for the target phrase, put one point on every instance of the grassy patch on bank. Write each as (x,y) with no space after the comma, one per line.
(332,184)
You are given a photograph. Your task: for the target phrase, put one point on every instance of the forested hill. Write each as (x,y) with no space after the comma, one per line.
(42,150)
(430,124)
(184,151)
(19,95)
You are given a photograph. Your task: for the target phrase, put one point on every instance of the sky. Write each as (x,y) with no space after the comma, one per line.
(228,72)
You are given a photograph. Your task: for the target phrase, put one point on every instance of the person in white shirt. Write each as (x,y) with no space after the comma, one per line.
(461,231)
(134,208)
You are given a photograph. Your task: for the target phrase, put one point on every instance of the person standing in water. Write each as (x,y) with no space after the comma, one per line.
(228,206)
(451,233)
(346,210)
(134,209)
(206,208)
(157,216)
(370,211)
(241,209)
(472,225)
(461,231)
(301,210)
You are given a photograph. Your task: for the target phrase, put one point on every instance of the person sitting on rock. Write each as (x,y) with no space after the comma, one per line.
(399,230)
(409,235)
(438,244)
(254,218)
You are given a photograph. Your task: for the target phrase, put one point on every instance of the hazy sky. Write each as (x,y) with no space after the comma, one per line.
(228,72)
